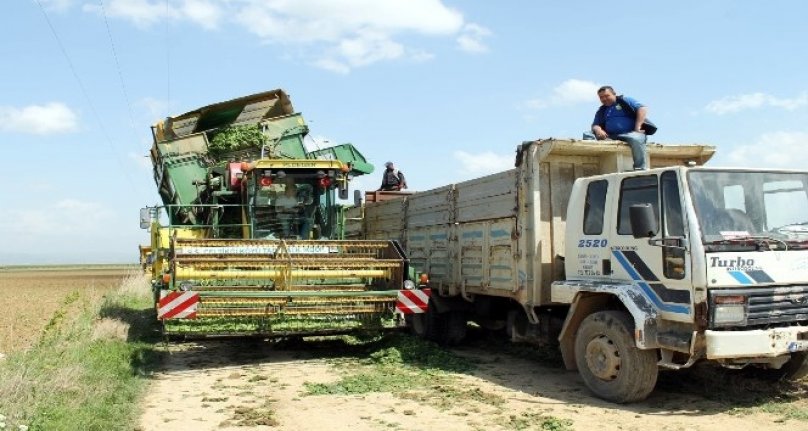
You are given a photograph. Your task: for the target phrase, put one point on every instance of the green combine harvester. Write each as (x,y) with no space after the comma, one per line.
(249,239)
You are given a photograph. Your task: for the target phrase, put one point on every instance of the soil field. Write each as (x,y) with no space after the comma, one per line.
(29,297)
(317,385)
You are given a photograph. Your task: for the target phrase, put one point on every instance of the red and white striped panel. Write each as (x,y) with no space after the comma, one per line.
(413,301)
(177,305)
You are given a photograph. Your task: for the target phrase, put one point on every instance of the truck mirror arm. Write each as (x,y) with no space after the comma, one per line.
(675,242)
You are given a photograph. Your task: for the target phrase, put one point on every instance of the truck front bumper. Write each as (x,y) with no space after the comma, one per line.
(758,343)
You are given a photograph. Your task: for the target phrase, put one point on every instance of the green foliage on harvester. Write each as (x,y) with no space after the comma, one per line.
(235,138)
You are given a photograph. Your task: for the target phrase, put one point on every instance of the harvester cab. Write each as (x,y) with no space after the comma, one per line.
(292,202)
(249,239)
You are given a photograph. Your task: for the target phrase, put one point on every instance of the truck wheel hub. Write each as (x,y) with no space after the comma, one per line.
(603,358)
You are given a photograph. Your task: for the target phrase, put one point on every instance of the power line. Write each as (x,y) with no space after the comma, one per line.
(120,72)
(168,62)
(106,136)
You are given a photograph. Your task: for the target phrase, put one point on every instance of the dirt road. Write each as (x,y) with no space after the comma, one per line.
(323,385)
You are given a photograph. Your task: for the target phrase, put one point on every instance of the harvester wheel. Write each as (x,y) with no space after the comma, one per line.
(609,361)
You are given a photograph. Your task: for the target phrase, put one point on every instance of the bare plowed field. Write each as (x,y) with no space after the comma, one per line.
(30,297)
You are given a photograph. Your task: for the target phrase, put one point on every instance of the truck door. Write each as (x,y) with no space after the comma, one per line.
(593,259)
(660,265)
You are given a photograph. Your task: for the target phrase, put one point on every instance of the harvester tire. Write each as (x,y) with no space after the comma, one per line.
(608,360)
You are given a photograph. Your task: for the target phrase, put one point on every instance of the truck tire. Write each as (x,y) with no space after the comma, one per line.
(455,327)
(429,325)
(608,360)
(417,324)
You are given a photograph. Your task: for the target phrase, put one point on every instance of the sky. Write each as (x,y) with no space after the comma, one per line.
(445,89)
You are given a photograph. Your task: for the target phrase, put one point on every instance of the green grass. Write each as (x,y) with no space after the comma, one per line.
(409,368)
(89,368)
(393,364)
(537,421)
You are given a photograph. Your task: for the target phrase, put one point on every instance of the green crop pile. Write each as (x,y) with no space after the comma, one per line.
(235,138)
(268,326)
(396,364)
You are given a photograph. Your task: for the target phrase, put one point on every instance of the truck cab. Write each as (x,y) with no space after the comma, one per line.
(710,264)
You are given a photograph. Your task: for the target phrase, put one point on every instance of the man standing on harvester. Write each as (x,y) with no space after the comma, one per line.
(392,179)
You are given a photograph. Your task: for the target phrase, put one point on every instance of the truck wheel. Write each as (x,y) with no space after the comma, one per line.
(609,361)
(455,326)
(429,326)
(417,324)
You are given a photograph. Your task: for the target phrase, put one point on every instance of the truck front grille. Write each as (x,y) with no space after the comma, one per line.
(771,305)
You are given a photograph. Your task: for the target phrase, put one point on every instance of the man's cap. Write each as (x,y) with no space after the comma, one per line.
(388,164)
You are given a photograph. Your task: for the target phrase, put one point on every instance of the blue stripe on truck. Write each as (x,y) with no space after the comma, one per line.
(646,289)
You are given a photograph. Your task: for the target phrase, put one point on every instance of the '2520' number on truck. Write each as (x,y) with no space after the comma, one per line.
(592,243)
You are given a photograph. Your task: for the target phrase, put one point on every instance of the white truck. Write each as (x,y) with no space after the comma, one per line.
(627,271)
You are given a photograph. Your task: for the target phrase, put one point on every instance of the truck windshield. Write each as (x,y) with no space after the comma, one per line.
(748,209)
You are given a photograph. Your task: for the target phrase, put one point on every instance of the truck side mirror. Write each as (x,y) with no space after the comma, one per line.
(145,218)
(643,221)
(357,198)
(343,193)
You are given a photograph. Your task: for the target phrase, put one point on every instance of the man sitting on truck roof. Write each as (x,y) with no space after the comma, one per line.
(615,120)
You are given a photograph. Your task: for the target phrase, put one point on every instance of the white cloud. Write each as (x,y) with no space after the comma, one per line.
(487,162)
(569,92)
(733,104)
(773,150)
(141,12)
(66,217)
(56,5)
(352,33)
(288,21)
(203,12)
(334,35)
(368,47)
(144,13)
(471,39)
(47,119)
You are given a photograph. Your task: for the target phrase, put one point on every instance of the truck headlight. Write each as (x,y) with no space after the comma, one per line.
(409,284)
(729,310)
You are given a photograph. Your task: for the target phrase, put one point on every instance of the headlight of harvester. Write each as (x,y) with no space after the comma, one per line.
(409,284)
(729,310)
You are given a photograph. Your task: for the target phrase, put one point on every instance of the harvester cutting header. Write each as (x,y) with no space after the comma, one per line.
(249,239)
